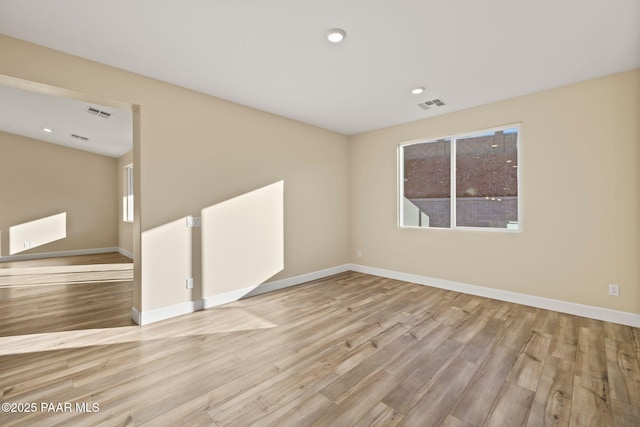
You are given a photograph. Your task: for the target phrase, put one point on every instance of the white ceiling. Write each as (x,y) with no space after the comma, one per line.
(273,55)
(26,113)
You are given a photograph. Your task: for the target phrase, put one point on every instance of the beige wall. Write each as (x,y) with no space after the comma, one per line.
(40,179)
(125,229)
(247,227)
(201,151)
(195,151)
(580,166)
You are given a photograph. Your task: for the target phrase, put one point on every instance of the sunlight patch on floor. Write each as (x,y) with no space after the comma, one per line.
(65,274)
(209,322)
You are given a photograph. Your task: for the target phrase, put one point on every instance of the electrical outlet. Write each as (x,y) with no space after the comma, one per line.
(189,282)
(614,290)
(359,254)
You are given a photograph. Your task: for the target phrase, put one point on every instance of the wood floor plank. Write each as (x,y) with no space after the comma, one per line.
(290,402)
(388,418)
(512,407)
(636,342)
(411,389)
(349,411)
(518,333)
(435,405)
(348,382)
(594,324)
(412,359)
(590,405)
(306,413)
(452,421)
(477,400)
(552,403)
(479,347)
(527,370)
(623,371)
(625,415)
(591,357)
(565,338)
(469,329)
(289,390)
(617,332)
(545,322)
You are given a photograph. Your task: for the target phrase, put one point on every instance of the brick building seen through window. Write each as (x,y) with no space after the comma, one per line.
(483,192)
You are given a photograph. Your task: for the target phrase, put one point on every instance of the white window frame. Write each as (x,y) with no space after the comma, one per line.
(454,138)
(127,200)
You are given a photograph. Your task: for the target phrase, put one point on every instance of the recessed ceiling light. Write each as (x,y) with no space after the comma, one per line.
(417,91)
(336,35)
(47,130)
(509,161)
(494,145)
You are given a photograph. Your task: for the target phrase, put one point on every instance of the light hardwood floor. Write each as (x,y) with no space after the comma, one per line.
(61,294)
(350,350)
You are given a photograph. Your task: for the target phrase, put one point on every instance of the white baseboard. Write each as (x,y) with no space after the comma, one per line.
(621,317)
(168,312)
(298,280)
(146,317)
(227,297)
(135,315)
(42,255)
(126,253)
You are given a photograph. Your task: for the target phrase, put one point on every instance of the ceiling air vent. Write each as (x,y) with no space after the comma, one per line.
(433,103)
(80,137)
(98,113)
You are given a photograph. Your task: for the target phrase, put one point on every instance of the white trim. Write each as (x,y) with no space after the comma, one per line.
(168,312)
(227,297)
(135,315)
(146,317)
(400,187)
(608,315)
(519,176)
(25,257)
(453,183)
(266,287)
(126,253)
(298,280)
(128,201)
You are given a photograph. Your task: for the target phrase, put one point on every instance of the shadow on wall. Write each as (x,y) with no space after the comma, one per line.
(36,233)
(241,243)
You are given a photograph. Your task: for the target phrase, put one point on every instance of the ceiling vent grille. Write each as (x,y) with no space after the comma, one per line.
(98,113)
(80,137)
(432,103)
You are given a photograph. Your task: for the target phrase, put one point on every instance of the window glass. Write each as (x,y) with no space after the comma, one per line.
(127,205)
(481,193)
(487,180)
(427,184)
